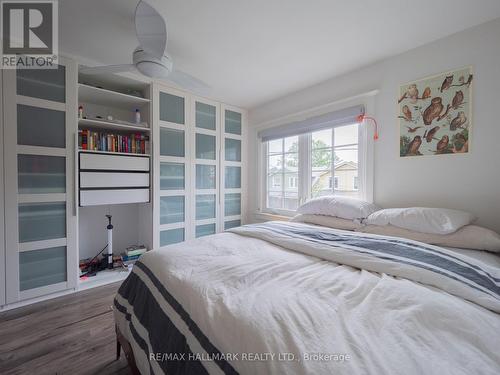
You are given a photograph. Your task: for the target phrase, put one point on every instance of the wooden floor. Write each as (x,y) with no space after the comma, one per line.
(73,334)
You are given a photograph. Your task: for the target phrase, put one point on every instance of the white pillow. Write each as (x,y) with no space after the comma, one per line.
(422,219)
(331,205)
(327,221)
(468,237)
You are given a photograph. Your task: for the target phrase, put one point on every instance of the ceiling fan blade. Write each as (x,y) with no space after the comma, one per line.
(108,69)
(189,82)
(151,29)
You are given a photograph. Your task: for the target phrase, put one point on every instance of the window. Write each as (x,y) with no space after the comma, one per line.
(277,181)
(334,152)
(282,165)
(327,160)
(336,185)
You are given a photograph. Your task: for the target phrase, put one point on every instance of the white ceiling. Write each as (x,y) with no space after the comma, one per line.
(253,51)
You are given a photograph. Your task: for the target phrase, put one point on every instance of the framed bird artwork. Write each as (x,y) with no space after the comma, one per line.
(435,114)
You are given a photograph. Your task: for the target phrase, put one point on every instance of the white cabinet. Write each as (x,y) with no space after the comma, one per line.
(205,166)
(173,177)
(40,214)
(232,161)
(2,204)
(198,187)
(190,182)
(109,162)
(106,179)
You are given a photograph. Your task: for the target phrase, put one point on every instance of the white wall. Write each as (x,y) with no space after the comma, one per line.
(470,182)
(93,235)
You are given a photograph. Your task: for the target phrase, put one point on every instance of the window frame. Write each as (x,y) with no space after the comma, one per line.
(304,170)
(355,186)
(366,146)
(284,179)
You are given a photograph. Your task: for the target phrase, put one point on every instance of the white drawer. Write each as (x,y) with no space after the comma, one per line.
(114,162)
(113,179)
(98,197)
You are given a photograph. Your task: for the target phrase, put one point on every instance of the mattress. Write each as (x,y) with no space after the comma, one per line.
(268,299)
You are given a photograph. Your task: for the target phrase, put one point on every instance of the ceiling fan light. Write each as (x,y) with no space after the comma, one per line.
(152,69)
(151,66)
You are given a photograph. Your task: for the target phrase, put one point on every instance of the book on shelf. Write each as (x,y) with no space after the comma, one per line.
(135,250)
(109,142)
(127,258)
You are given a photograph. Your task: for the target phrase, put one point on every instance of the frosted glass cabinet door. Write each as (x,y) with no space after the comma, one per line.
(39,174)
(233,178)
(39,268)
(231,224)
(171,209)
(171,236)
(205,116)
(39,106)
(232,204)
(233,122)
(172,108)
(205,146)
(233,149)
(205,206)
(172,176)
(47,84)
(42,221)
(171,142)
(205,176)
(205,230)
(40,127)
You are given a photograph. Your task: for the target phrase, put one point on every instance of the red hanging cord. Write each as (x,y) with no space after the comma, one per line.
(362,118)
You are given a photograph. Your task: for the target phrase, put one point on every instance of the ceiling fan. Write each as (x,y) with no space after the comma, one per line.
(151,58)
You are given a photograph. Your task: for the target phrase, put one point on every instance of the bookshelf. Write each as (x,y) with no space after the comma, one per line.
(107,123)
(114,153)
(98,95)
(113,182)
(99,124)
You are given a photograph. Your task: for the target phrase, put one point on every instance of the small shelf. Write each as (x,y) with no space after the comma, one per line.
(103,277)
(96,95)
(113,153)
(109,125)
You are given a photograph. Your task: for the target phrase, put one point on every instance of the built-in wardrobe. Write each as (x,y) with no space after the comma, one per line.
(198,162)
(38,157)
(187,182)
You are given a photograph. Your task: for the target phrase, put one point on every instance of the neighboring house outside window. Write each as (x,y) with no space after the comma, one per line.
(333,186)
(282,165)
(277,181)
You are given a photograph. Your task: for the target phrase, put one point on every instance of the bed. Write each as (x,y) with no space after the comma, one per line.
(294,298)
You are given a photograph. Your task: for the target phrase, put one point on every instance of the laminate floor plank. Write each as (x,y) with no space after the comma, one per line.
(73,334)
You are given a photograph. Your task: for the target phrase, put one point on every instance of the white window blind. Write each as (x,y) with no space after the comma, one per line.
(328,120)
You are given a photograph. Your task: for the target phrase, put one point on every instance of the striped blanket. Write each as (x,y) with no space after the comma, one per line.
(413,260)
(284,297)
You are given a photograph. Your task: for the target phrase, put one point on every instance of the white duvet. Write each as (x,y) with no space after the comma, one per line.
(283,312)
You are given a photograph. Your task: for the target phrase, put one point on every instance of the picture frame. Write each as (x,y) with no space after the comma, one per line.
(435,114)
